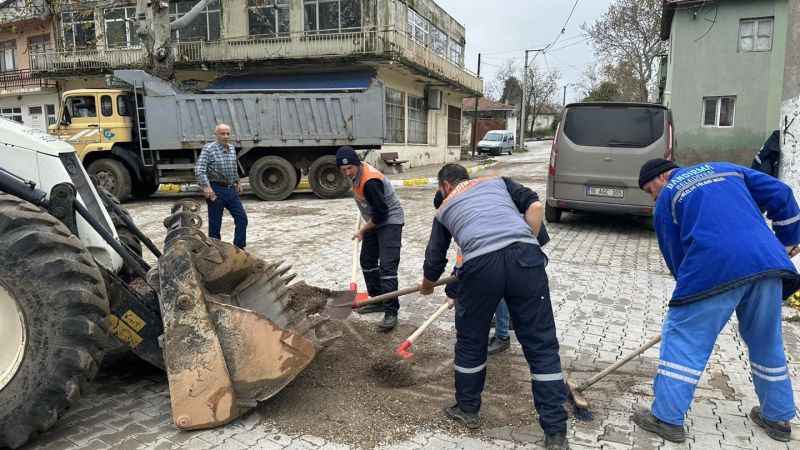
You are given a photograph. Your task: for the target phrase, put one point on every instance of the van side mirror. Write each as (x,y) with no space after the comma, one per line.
(66,120)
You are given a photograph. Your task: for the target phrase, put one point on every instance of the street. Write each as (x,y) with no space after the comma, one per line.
(609,291)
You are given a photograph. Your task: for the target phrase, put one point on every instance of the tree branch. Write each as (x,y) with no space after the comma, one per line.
(189,17)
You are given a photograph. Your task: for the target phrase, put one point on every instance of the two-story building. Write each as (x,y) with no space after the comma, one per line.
(724,75)
(25,96)
(412,46)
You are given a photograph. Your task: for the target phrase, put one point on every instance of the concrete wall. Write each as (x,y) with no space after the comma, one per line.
(789,121)
(705,62)
(25,102)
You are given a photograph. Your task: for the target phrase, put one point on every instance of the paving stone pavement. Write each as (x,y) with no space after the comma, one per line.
(609,289)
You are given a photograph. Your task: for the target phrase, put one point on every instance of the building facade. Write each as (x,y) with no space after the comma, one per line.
(724,75)
(413,47)
(25,96)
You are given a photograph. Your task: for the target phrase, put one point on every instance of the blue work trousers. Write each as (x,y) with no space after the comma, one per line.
(688,338)
(227,198)
(517,274)
(502,319)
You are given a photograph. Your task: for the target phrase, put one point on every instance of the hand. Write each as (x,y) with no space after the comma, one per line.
(209,194)
(239,188)
(792,250)
(426,287)
(451,302)
(359,236)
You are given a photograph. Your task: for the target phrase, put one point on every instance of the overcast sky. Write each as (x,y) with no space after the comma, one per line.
(502,29)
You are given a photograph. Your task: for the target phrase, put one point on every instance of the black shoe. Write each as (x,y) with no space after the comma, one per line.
(780,431)
(371,309)
(651,423)
(469,420)
(388,323)
(556,441)
(498,345)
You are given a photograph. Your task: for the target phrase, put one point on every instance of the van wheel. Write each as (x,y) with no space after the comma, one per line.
(552,214)
(113,176)
(273,178)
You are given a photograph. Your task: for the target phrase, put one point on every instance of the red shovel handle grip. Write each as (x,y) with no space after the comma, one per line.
(402,350)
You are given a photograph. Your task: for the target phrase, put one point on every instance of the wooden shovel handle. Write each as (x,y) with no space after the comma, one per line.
(618,364)
(393,295)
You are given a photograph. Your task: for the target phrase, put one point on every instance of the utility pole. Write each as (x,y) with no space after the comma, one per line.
(564,102)
(525,96)
(475,116)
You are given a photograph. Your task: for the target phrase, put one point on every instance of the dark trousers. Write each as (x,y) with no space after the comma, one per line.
(517,274)
(227,198)
(380,258)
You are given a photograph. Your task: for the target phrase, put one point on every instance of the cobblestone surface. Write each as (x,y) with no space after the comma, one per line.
(609,290)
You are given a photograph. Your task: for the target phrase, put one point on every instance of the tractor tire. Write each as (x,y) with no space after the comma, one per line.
(113,176)
(552,214)
(61,301)
(273,178)
(325,179)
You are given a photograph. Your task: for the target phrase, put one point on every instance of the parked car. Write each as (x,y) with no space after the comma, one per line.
(597,153)
(497,142)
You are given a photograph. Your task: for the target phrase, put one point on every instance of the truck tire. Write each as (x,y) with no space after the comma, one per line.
(144,188)
(552,214)
(49,279)
(273,178)
(113,176)
(325,179)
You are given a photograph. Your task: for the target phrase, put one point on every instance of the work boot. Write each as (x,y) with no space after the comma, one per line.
(498,344)
(388,323)
(651,423)
(556,441)
(469,420)
(780,431)
(371,309)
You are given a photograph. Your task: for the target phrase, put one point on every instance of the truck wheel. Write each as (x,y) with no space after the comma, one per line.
(552,214)
(273,178)
(325,178)
(145,188)
(53,306)
(113,176)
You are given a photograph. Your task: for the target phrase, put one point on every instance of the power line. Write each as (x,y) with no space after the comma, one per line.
(564,28)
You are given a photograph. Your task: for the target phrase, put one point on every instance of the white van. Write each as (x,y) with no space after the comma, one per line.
(497,142)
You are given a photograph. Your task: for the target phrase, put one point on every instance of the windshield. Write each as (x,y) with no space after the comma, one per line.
(614,126)
(493,137)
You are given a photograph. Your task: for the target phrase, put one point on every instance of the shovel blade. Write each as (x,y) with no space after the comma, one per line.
(341,306)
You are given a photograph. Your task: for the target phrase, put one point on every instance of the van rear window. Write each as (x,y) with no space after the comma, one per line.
(614,126)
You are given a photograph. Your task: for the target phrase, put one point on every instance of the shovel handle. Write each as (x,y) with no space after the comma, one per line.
(424,326)
(392,295)
(354,272)
(586,384)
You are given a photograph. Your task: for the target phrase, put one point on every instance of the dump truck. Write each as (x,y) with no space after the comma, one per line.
(148,132)
(222,323)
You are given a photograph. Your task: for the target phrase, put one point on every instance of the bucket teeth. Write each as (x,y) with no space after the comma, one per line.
(290,278)
(282,270)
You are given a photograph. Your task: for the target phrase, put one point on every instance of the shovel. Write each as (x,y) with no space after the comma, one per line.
(342,306)
(402,350)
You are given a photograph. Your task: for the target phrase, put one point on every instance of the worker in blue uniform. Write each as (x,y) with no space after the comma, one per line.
(725,259)
(495,221)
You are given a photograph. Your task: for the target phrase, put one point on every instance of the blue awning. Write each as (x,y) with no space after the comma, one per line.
(309,82)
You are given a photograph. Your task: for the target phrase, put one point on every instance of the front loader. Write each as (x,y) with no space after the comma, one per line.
(222,323)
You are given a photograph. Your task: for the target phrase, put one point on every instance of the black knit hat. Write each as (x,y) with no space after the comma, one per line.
(654,168)
(346,156)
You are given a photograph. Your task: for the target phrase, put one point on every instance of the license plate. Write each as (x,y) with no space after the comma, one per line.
(600,191)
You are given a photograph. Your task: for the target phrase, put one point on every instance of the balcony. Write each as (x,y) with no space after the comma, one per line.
(388,44)
(15,82)
(21,10)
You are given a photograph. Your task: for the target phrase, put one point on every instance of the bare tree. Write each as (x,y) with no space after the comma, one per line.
(627,38)
(155,30)
(502,87)
(541,89)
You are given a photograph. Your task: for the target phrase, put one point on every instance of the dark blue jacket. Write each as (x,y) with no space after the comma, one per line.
(712,233)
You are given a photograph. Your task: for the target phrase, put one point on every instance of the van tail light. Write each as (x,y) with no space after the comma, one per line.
(554,153)
(670,141)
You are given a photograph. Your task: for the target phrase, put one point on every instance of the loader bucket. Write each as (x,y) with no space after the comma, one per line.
(231,335)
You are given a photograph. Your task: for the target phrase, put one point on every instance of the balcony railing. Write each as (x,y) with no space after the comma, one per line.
(20,10)
(23,81)
(389,44)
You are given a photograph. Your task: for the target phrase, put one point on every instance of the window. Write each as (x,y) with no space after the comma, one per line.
(439,42)
(206,27)
(77,27)
(453,126)
(614,126)
(755,35)
(8,59)
(51,114)
(123,106)
(395,116)
(418,27)
(120,27)
(39,44)
(332,16)
(106,106)
(417,120)
(14,114)
(719,111)
(81,107)
(268,17)
(456,53)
